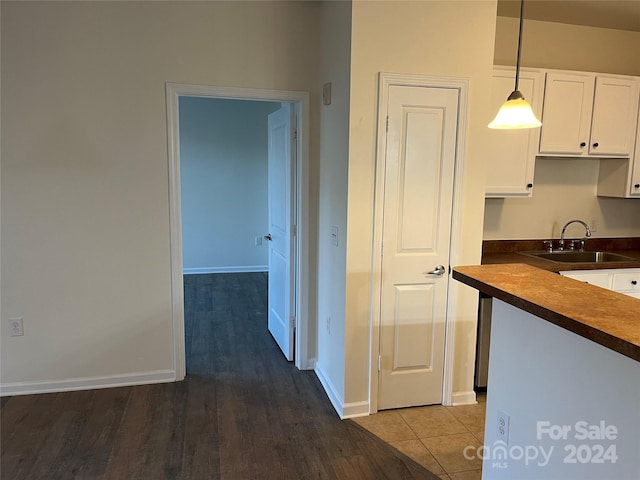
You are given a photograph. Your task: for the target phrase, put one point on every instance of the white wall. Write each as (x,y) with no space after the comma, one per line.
(431,38)
(224,187)
(334,53)
(568,47)
(574,380)
(85,209)
(564,188)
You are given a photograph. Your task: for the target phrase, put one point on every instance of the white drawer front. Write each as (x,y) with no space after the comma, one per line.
(626,281)
(598,279)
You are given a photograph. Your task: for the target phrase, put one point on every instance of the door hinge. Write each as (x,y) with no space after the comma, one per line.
(382,250)
(387,124)
(379,362)
(295,133)
(294,230)
(292,321)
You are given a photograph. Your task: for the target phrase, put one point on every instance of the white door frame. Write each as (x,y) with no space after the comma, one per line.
(301,304)
(384,82)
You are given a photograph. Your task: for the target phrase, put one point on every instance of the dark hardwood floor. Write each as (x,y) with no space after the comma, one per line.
(242,413)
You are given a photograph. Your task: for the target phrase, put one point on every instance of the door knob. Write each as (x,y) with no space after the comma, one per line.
(267,237)
(439,270)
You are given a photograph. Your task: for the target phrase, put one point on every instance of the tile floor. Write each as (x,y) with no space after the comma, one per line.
(435,436)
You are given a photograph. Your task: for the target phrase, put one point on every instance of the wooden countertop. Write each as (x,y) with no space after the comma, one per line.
(520,257)
(605,317)
(512,251)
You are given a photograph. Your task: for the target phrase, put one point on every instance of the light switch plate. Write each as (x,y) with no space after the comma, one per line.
(326,94)
(16,327)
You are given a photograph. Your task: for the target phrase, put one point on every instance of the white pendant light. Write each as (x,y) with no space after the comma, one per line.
(516,112)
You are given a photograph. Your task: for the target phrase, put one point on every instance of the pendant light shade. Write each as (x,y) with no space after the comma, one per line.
(516,113)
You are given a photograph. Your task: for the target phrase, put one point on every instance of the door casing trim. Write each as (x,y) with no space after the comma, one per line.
(301,166)
(385,80)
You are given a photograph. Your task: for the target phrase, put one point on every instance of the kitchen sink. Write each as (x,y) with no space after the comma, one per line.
(571,256)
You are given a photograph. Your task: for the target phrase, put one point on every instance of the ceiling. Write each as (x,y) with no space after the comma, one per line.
(617,14)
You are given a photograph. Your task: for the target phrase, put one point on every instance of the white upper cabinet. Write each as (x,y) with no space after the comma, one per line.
(620,177)
(566,114)
(615,114)
(634,183)
(512,153)
(589,115)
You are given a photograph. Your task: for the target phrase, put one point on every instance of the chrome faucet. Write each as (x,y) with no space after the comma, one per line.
(586,235)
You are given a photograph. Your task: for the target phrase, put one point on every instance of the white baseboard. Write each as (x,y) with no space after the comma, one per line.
(463,398)
(309,364)
(344,410)
(355,409)
(243,269)
(334,397)
(87,383)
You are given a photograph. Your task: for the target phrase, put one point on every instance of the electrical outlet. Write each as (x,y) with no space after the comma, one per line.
(593,225)
(16,327)
(502,427)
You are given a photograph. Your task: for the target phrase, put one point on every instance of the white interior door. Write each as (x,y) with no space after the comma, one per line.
(418,198)
(280,236)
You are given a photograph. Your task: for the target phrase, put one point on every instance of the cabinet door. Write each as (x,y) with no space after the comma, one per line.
(634,166)
(620,177)
(634,183)
(512,153)
(615,113)
(566,115)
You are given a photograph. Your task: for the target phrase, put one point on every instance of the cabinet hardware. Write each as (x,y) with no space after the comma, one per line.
(583,144)
(595,145)
(529,185)
(634,282)
(637,185)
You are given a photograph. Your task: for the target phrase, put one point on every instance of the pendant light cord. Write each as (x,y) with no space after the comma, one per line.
(519,44)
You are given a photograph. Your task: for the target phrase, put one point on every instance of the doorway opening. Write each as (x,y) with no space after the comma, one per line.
(294,195)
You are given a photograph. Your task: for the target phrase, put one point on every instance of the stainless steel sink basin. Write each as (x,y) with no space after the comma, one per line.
(581,257)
